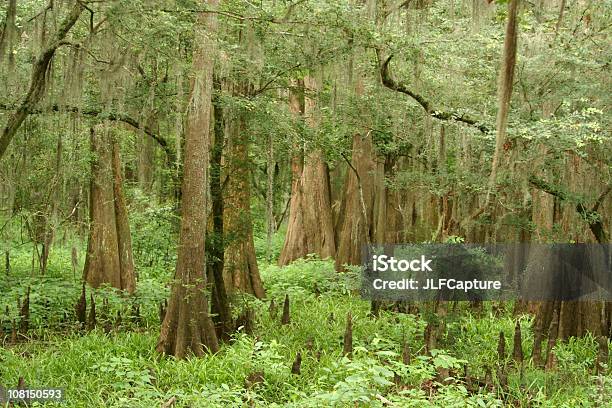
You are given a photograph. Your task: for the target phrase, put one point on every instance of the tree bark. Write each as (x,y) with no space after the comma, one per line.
(295,245)
(388,228)
(575,318)
(310,228)
(51,216)
(356,221)
(9,34)
(222,315)
(124,238)
(271,220)
(109,257)
(187,326)
(240,266)
(504,93)
(560,18)
(591,216)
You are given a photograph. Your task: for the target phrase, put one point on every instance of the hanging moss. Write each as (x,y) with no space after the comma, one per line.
(9,35)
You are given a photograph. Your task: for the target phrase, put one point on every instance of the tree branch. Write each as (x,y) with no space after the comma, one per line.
(425,104)
(266,86)
(116,117)
(38,80)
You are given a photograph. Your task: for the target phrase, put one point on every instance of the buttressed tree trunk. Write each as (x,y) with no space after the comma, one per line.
(310,228)
(241,271)
(109,250)
(124,238)
(187,326)
(296,245)
(355,220)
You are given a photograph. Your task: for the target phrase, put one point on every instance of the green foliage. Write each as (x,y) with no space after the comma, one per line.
(154,237)
(303,275)
(355,381)
(53,296)
(122,369)
(261,244)
(576,356)
(124,375)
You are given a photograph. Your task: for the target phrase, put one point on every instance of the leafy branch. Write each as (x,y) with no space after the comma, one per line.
(390,83)
(112,116)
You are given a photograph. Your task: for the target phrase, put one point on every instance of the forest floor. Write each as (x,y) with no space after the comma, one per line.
(115,364)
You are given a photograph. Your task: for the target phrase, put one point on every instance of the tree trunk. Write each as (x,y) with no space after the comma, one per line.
(560,18)
(356,217)
(220,303)
(575,318)
(187,326)
(240,266)
(504,93)
(388,227)
(355,226)
(9,34)
(310,228)
(271,220)
(109,257)
(51,218)
(124,238)
(296,244)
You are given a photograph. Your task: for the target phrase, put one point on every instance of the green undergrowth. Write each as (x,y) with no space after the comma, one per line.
(118,367)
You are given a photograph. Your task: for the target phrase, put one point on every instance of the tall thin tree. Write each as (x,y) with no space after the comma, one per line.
(187,325)
(504,93)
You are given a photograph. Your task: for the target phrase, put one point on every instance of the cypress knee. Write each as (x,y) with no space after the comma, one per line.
(91,321)
(81,307)
(517,352)
(406,357)
(501,347)
(296,368)
(348,336)
(24,313)
(603,354)
(551,358)
(272,309)
(286,318)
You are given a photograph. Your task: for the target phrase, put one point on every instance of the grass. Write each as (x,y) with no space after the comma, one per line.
(121,368)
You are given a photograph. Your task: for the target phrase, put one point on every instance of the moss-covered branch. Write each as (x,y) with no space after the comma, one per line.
(38,80)
(112,116)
